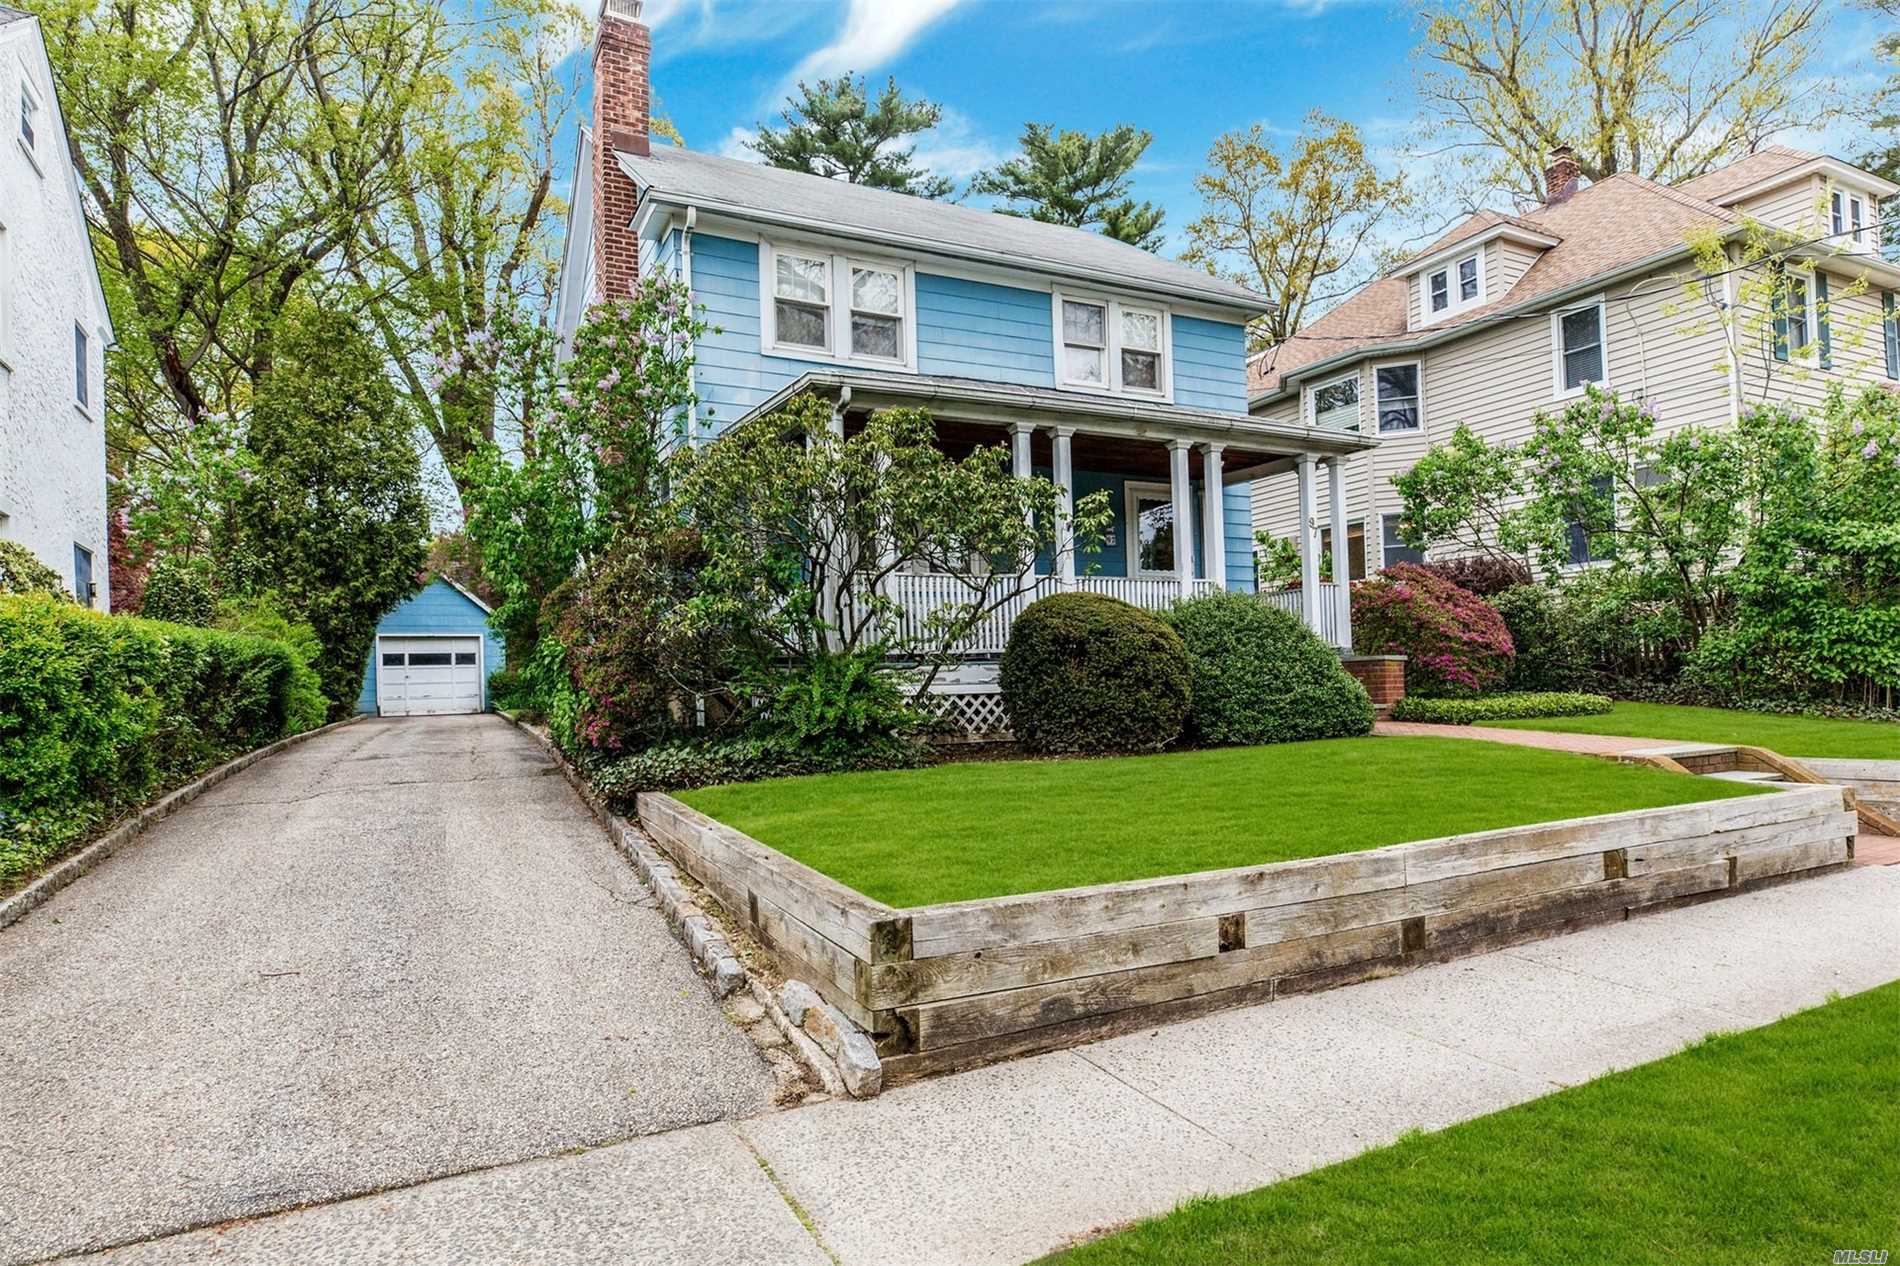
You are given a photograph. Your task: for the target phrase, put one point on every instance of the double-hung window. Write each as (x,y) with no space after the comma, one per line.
(1454,287)
(1580,352)
(877,312)
(29,117)
(1398,397)
(1336,403)
(1837,218)
(801,300)
(1890,332)
(1108,345)
(1797,313)
(1856,213)
(1392,546)
(835,307)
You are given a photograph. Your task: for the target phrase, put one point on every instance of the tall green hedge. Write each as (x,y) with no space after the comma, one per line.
(99,713)
(1262,676)
(1088,673)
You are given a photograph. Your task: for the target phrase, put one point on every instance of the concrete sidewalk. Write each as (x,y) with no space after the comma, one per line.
(1549,740)
(1005,1163)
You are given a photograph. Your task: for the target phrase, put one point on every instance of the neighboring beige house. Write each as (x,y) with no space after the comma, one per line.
(1509,314)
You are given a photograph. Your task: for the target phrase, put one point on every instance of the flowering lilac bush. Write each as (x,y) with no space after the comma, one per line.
(1455,642)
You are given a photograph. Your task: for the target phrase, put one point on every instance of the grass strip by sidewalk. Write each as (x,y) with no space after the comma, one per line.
(1826,737)
(986,829)
(1777,1145)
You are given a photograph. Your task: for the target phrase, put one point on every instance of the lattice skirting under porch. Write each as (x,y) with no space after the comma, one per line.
(970,699)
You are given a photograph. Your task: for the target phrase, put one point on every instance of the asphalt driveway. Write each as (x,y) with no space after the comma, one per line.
(397,951)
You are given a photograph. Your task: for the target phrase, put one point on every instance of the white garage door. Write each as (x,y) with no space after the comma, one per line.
(425,676)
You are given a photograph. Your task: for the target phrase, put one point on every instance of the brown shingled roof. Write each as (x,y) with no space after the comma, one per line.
(1619,221)
(1766,162)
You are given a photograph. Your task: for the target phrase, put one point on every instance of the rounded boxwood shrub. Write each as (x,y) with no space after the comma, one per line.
(1084,672)
(1262,676)
(1454,642)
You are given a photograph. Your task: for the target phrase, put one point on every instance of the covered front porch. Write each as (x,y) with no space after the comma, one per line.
(1179,482)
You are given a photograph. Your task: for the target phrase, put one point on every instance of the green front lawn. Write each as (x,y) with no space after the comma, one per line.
(1775,1145)
(1790,736)
(988,829)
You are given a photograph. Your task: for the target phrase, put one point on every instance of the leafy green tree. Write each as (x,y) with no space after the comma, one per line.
(333,512)
(1078,180)
(1296,227)
(1460,495)
(833,128)
(595,429)
(1666,91)
(803,530)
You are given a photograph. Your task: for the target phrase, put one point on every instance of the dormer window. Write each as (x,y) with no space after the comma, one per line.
(1454,287)
(1111,345)
(1855,214)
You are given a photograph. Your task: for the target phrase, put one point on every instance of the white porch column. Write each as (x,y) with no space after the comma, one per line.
(1309,540)
(1342,552)
(832,582)
(1182,490)
(1019,466)
(1064,471)
(1213,516)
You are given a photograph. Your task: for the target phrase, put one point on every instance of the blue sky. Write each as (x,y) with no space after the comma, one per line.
(1186,70)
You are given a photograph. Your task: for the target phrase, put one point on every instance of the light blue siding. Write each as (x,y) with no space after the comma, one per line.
(733,375)
(1210,365)
(1237,516)
(665,257)
(974,329)
(439,608)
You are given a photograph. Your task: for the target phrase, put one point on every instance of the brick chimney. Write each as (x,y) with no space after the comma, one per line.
(1560,175)
(623,51)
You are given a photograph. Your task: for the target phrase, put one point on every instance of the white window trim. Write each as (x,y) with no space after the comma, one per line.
(837,305)
(89,404)
(1311,410)
(1810,328)
(1377,429)
(1857,218)
(1132,491)
(1557,389)
(1837,211)
(1111,384)
(1454,304)
(28,88)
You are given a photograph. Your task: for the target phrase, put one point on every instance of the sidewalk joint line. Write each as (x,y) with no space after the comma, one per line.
(1169,1108)
(785,1193)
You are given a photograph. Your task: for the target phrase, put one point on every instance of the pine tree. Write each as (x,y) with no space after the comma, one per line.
(833,128)
(1079,180)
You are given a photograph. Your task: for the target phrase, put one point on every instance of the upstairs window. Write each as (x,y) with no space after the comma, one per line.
(801,290)
(1798,335)
(877,313)
(1336,404)
(1579,338)
(1108,345)
(1398,397)
(1836,219)
(1455,286)
(1856,212)
(1890,328)
(1085,343)
(82,368)
(29,117)
(824,306)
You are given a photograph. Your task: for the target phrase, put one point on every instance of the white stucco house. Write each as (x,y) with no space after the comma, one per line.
(53,331)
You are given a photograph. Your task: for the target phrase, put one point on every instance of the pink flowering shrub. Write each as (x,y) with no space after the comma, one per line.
(1455,643)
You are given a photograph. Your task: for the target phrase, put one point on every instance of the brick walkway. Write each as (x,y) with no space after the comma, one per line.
(1585,744)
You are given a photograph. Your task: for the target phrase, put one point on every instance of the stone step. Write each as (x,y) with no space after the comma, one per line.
(1748,775)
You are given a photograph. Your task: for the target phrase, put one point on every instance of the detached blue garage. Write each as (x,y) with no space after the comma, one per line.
(432,655)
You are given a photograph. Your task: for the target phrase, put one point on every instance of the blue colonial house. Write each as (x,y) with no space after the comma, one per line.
(1103,366)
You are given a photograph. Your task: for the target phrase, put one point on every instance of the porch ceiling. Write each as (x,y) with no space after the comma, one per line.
(1106,454)
(1131,431)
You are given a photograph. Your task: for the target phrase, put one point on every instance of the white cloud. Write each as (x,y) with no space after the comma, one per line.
(875,32)
(738,144)
(955,148)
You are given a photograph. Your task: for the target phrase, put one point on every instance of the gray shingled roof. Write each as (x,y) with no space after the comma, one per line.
(771,194)
(11,15)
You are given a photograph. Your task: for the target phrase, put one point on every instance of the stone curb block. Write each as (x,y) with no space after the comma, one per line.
(710,951)
(848,1046)
(35,894)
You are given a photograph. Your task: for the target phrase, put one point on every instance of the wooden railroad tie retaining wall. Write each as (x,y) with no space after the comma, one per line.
(962,983)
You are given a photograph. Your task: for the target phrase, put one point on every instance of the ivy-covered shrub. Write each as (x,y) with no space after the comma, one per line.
(1261,676)
(1509,706)
(1483,574)
(22,572)
(1455,643)
(179,591)
(98,713)
(683,766)
(262,614)
(1084,672)
(1545,657)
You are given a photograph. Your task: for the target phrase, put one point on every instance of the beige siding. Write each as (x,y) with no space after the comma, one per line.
(1856,343)
(1414,301)
(1512,263)
(1796,206)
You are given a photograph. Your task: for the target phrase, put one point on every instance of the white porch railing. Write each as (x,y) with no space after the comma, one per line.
(917,595)
(1333,617)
